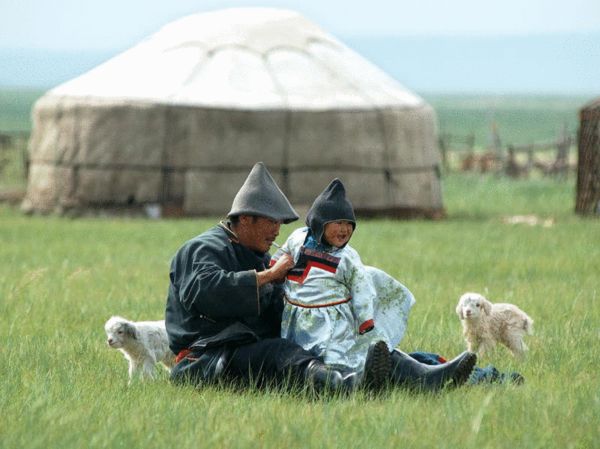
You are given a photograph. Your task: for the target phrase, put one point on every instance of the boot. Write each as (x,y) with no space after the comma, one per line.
(408,372)
(350,381)
(377,366)
(322,377)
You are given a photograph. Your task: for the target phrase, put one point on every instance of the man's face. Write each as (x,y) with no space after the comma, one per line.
(338,233)
(257,233)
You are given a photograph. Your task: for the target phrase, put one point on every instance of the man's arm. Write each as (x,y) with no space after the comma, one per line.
(211,288)
(277,271)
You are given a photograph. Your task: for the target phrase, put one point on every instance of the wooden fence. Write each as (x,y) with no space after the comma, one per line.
(551,158)
(14,145)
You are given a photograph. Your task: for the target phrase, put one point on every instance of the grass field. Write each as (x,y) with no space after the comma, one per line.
(62,387)
(60,279)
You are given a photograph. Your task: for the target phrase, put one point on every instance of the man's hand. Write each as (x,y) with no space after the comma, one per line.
(277,272)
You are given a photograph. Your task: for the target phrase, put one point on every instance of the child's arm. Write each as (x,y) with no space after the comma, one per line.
(361,289)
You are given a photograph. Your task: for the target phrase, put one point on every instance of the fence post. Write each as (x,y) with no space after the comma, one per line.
(471,142)
(497,144)
(25,158)
(510,167)
(587,201)
(530,155)
(563,145)
(443,151)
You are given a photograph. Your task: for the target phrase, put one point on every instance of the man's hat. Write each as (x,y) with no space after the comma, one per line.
(261,196)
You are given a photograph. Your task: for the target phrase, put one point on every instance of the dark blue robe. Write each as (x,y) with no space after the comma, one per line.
(213,294)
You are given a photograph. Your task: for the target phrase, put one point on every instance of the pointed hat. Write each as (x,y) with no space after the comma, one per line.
(331,205)
(261,196)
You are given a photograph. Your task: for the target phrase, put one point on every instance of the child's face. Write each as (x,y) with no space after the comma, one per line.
(338,233)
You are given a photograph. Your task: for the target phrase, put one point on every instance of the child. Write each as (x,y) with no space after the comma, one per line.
(335,306)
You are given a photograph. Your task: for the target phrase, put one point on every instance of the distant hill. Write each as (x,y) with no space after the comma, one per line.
(554,64)
(44,69)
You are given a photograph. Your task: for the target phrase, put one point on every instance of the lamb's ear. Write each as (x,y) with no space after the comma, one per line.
(487,306)
(459,308)
(130,330)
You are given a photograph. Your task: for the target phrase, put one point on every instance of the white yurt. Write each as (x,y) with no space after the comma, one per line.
(177,122)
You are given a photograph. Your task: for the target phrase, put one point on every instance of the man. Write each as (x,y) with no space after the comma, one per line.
(224,306)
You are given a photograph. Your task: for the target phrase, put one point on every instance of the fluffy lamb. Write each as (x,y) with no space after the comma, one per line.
(143,343)
(485,324)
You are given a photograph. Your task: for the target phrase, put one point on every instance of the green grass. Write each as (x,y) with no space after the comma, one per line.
(62,387)
(15,109)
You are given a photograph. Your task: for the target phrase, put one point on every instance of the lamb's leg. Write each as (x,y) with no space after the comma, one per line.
(148,369)
(472,346)
(484,348)
(517,346)
(133,369)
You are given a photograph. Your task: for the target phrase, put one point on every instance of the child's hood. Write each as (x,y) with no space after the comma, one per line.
(331,205)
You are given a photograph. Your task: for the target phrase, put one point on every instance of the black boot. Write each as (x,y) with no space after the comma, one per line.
(321,377)
(408,372)
(351,381)
(378,366)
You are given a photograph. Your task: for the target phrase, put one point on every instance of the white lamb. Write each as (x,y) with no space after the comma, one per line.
(485,324)
(143,343)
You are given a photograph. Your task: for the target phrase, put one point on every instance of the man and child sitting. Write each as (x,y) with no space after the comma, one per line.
(312,315)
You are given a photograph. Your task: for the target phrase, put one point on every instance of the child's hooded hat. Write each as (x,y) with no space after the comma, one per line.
(260,196)
(331,205)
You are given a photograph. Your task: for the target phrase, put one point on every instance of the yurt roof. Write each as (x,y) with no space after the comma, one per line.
(242,58)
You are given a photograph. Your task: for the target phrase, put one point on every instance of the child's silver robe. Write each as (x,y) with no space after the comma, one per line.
(333,301)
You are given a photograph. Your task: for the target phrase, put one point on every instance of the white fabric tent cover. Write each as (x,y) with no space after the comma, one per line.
(179,119)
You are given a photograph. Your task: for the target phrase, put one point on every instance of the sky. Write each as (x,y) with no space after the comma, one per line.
(119,24)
